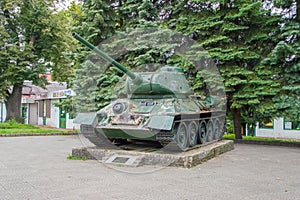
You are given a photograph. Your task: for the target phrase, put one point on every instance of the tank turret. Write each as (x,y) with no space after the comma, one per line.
(168,81)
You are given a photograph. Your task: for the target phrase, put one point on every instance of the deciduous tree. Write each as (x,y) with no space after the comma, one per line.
(33,39)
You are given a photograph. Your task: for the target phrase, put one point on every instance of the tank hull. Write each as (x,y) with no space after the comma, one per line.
(208,127)
(128,133)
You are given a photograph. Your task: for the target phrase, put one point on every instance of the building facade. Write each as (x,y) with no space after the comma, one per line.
(38,106)
(278,128)
(51,115)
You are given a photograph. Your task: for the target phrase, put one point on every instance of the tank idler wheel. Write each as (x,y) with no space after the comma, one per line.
(181,137)
(193,133)
(202,133)
(217,130)
(210,131)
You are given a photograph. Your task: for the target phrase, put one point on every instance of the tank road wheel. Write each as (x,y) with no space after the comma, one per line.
(217,130)
(193,130)
(210,131)
(181,137)
(202,132)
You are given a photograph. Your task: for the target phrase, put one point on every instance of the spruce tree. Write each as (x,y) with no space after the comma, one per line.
(238,35)
(95,21)
(285,58)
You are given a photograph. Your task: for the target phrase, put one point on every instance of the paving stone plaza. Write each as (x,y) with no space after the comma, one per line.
(37,168)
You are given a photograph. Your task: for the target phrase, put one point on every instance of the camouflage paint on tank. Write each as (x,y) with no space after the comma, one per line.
(157,106)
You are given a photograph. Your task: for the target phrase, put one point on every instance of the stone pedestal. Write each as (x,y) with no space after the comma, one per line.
(138,157)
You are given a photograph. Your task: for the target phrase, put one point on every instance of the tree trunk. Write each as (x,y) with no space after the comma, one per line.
(237,122)
(13,104)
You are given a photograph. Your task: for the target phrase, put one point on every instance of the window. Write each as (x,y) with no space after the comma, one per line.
(48,108)
(291,125)
(41,108)
(269,124)
(45,108)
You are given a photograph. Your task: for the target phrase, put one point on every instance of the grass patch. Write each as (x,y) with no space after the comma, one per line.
(119,165)
(232,137)
(12,127)
(70,157)
(20,131)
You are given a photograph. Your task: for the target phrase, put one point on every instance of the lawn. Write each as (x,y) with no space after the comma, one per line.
(19,131)
(232,137)
(13,127)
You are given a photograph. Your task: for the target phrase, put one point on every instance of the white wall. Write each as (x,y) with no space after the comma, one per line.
(26,114)
(53,121)
(2,111)
(33,113)
(277,131)
(70,124)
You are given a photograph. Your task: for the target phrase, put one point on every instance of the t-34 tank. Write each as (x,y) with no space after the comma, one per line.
(159,106)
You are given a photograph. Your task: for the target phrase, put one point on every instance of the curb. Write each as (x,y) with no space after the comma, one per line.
(270,143)
(37,134)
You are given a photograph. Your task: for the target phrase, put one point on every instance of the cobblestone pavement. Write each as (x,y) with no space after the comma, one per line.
(37,168)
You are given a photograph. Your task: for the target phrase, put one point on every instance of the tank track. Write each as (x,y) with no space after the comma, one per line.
(167,138)
(169,144)
(95,137)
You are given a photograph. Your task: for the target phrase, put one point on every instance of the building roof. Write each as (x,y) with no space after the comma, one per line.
(31,89)
(55,86)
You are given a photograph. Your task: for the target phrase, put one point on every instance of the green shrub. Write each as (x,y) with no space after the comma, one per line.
(12,124)
(232,137)
(229,136)
(20,131)
(229,127)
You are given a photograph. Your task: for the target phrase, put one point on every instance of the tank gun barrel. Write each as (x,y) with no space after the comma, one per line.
(136,79)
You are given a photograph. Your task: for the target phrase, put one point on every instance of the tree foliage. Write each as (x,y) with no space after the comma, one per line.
(285,58)
(33,41)
(95,21)
(255,49)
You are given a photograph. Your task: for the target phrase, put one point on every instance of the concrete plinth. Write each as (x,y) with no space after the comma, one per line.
(136,158)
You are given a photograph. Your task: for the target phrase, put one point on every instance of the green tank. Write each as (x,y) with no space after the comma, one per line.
(158,106)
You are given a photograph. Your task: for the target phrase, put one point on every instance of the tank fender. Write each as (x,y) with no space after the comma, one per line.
(161,122)
(89,118)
